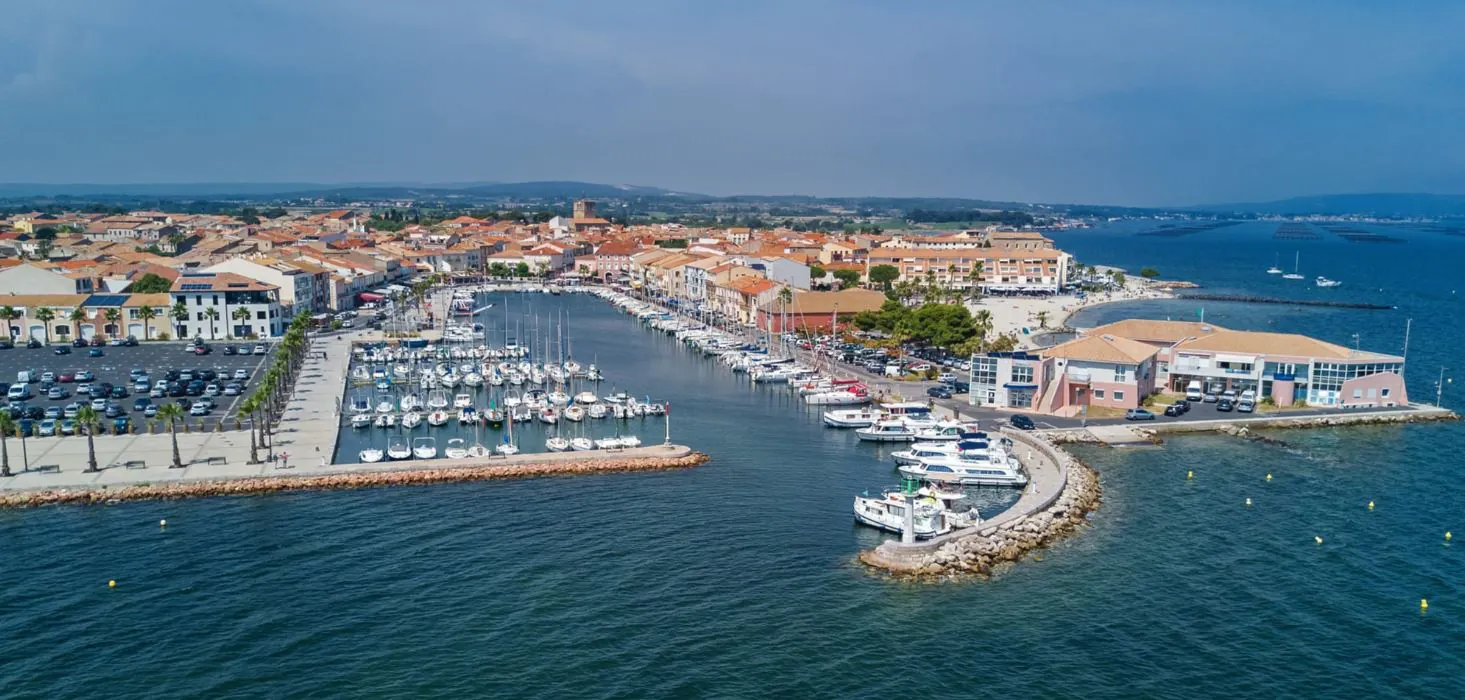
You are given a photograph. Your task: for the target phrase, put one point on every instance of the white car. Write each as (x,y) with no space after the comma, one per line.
(198,409)
(83,390)
(241,375)
(99,404)
(260,350)
(158,393)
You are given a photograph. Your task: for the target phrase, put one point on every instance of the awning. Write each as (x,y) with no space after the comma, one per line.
(1019,386)
(1237,359)
(368,296)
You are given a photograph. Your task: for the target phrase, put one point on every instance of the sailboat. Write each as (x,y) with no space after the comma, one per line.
(507,447)
(1296,265)
(1274,270)
(477,450)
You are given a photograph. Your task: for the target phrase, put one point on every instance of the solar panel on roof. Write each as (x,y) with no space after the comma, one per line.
(196,287)
(105,300)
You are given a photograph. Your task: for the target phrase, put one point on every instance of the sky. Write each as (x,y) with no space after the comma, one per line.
(1148,103)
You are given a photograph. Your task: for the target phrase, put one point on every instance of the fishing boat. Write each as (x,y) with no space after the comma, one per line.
(371,454)
(557,444)
(411,419)
(399,449)
(582,444)
(424,448)
(457,449)
(1295,274)
(437,418)
(1325,282)
(574,413)
(360,420)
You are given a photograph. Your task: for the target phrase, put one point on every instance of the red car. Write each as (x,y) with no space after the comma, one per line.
(66,378)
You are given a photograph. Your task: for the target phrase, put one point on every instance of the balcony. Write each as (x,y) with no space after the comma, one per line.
(1186,368)
(1079,376)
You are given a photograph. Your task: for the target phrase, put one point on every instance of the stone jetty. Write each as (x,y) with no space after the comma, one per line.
(407,474)
(1062,492)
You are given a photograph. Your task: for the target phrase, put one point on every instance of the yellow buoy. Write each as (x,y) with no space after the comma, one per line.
(1269,476)
(1318,539)
(1189,475)
(112,583)
(1248,501)
(1370,505)
(1423,603)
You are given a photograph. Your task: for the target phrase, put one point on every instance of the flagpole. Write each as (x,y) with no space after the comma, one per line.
(667,414)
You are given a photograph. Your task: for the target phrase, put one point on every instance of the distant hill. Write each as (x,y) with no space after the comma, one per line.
(1402,204)
(545,189)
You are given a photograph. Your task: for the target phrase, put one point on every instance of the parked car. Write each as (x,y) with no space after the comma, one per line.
(97,341)
(33,343)
(99,404)
(68,427)
(62,350)
(202,350)
(232,389)
(150,411)
(140,404)
(230,350)
(47,428)
(1225,405)
(79,343)
(53,411)
(1177,409)
(114,410)
(65,378)
(212,390)
(94,352)
(1138,414)
(85,375)
(938,392)
(241,375)
(198,409)
(118,392)
(71,410)
(56,393)
(48,376)
(1022,422)
(1210,398)
(260,350)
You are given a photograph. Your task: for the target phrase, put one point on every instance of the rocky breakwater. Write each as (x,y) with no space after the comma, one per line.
(1006,538)
(410,476)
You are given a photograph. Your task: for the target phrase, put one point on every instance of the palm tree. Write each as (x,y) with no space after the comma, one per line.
(248,406)
(1042,319)
(147,314)
(241,314)
(212,314)
(86,419)
(45,316)
(76,317)
(8,313)
(8,427)
(975,277)
(172,412)
(114,318)
(179,312)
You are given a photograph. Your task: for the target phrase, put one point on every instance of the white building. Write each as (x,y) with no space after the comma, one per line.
(225,294)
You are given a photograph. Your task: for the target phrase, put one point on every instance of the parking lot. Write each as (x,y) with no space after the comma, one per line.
(115,366)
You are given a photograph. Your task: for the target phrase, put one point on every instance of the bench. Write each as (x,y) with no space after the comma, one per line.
(46,468)
(135,464)
(211,460)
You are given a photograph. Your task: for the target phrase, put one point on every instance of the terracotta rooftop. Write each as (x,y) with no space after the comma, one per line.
(1290,344)
(1155,331)
(1103,348)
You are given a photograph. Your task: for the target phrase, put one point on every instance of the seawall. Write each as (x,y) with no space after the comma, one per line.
(351,477)
(1062,492)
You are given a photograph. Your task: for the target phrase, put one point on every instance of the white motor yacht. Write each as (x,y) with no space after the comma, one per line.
(558,398)
(922,450)
(894,430)
(967,469)
(371,454)
(931,517)
(424,448)
(457,449)
(462,400)
(837,397)
(852,418)
(945,431)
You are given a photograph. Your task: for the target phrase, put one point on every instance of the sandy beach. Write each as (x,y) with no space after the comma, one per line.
(1012,314)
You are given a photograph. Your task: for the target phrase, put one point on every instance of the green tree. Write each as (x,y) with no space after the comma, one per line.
(8,427)
(1149,273)
(241,315)
(884,275)
(212,314)
(9,314)
(179,312)
(974,278)
(816,272)
(848,278)
(76,317)
(45,316)
(147,314)
(1042,319)
(150,284)
(522,269)
(498,269)
(87,420)
(172,413)
(114,317)
(1117,276)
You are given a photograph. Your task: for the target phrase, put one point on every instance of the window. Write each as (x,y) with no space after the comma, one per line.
(1118,396)
(216,300)
(259,315)
(1357,393)
(200,316)
(1099,394)
(1121,373)
(198,299)
(1022,374)
(1384,393)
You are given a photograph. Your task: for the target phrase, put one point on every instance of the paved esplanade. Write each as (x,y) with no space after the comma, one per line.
(307,433)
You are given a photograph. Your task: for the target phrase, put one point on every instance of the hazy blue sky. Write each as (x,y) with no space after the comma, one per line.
(1162,102)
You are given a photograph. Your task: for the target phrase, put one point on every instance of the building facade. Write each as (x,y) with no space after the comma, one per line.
(221,305)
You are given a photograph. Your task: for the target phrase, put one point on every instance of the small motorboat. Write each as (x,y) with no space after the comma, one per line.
(586,397)
(462,400)
(574,413)
(582,444)
(549,416)
(411,419)
(399,450)
(424,448)
(360,420)
(457,449)
(467,416)
(385,420)
(558,398)
(371,454)
(597,411)
(385,406)
(437,418)
(557,444)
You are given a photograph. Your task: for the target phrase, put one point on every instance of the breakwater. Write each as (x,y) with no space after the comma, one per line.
(1249,299)
(676,458)
(1053,513)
